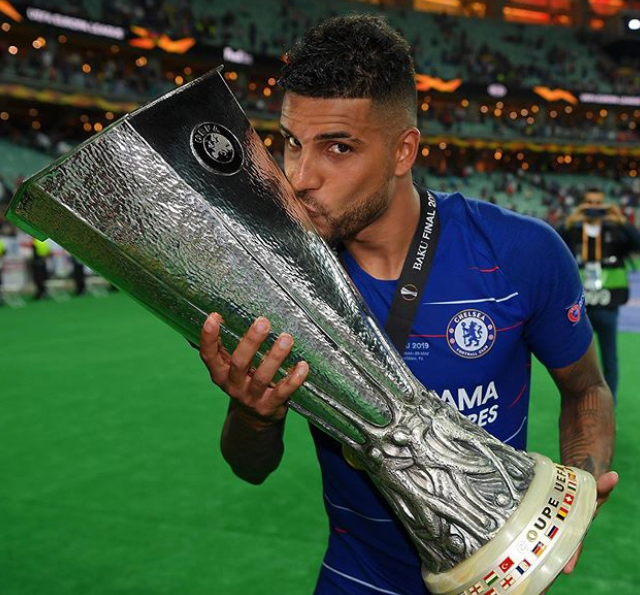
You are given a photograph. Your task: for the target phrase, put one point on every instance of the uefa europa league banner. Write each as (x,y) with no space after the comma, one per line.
(180,205)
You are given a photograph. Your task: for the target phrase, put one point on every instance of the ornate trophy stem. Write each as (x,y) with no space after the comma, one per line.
(180,205)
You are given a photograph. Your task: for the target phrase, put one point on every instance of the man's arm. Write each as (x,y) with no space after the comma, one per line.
(632,236)
(576,216)
(251,439)
(587,424)
(252,448)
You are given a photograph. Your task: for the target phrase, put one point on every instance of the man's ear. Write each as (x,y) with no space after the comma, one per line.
(406,151)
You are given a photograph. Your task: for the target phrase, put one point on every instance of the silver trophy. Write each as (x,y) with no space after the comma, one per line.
(180,205)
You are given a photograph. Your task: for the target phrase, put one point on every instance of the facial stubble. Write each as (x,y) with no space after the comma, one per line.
(357,217)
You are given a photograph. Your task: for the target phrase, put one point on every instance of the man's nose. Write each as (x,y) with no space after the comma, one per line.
(304,173)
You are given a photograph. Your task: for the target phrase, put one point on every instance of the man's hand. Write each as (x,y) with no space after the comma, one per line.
(614,215)
(604,486)
(259,400)
(577,216)
(606,483)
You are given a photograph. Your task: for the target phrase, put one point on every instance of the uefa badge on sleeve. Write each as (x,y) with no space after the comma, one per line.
(574,312)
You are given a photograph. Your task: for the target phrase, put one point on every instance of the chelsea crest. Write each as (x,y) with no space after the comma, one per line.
(471,333)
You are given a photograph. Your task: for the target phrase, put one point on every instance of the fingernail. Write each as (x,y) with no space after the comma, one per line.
(285,341)
(209,324)
(302,368)
(262,325)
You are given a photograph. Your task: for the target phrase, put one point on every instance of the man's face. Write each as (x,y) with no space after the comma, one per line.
(340,161)
(593,199)
(594,208)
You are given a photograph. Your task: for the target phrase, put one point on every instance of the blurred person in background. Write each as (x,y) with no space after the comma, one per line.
(39,270)
(5,193)
(601,239)
(2,251)
(79,276)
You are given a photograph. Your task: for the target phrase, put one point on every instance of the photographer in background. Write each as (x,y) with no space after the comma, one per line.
(601,240)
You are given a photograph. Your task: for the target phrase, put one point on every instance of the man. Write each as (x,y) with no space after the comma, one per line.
(78,275)
(349,124)
(39,271)
(2,251)
(601,240)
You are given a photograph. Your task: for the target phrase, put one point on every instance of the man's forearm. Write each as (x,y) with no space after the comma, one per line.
(252,447)
(587,429)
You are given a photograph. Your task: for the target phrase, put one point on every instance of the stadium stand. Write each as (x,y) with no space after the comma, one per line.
(480,50)
(522,151)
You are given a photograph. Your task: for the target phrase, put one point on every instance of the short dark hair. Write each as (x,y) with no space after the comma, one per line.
(592,190)
(352,57)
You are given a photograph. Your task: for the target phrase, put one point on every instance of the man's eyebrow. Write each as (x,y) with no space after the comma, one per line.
(337,135)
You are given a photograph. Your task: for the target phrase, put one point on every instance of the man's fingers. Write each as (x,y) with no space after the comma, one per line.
(292,382)
(209,335)
(571,564)
(246,350)
(271,402)
(606,483)
(268,368)
(255,391)
(211,351)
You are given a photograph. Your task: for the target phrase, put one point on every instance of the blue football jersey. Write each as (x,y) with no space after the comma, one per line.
(502,286)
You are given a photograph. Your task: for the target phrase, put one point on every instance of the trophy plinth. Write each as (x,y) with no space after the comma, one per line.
(180,205)
(534,545)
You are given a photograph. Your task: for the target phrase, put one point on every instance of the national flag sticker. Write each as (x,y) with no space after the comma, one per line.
(562,513)
(490,578)
(523,566)
(507,582)
(551,533)
(506,564)
(568,499)
(538,549)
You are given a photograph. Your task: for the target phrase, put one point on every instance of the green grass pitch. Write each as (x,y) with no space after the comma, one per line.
(111,481)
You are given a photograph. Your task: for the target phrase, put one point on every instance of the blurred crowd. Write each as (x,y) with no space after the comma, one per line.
(123,77)
(547,123)
(544,195)
(550,64)
(117,73)
(482,63)
(75,68)
(577,58)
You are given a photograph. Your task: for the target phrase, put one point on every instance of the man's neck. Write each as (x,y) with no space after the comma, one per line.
(382,247)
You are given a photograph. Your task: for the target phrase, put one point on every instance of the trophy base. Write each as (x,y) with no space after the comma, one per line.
(534,545)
